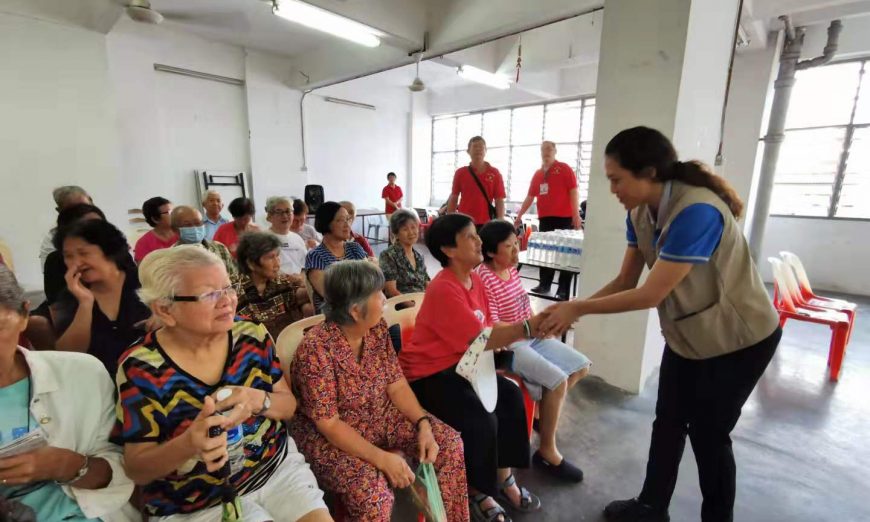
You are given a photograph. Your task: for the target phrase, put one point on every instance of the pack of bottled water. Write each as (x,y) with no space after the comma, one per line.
(559,247)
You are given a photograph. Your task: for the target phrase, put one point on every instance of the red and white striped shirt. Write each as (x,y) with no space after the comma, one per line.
(508,301)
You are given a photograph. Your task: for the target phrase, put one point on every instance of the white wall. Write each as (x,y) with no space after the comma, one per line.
(57,128)
(350,150)
(171,125)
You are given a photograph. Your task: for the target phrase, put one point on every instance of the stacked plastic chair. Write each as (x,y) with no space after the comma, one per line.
(785,288)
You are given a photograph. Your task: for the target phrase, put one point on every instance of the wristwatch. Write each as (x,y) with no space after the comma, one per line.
(81,473)
(267,403)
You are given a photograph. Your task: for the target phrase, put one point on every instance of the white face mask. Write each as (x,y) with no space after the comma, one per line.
(192,235)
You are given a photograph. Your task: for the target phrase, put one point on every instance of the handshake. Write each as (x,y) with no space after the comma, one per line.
(554,320)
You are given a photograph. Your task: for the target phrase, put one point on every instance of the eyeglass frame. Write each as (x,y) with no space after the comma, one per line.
(204,297)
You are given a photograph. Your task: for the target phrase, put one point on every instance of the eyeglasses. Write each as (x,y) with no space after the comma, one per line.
(208,297)
(281,212)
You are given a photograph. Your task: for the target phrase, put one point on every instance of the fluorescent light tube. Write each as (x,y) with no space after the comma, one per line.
(474,74)
(326,21)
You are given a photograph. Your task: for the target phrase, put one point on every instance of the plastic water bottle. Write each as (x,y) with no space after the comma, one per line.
(235,438)
(534,246)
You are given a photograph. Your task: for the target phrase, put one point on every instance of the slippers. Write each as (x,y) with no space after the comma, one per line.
(478,514)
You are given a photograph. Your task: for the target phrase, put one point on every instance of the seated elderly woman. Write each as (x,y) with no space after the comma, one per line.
(55,269)
(68,400)
(333,221)
(454,318)
(301,226)
(357,238)
(549,367)
(156,211)
(265,294)
(242,210)
(98,312)
(279,212)
(355,405)
(172,384)
(404,268)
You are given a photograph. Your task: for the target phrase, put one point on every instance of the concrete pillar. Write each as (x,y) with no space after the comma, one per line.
(663,64)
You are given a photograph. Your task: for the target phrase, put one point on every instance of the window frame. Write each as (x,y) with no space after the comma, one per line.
(850,127)
(506,170)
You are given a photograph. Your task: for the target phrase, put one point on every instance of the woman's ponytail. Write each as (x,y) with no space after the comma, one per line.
(698,174)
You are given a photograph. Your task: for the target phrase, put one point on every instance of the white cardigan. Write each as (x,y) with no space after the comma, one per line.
(74,403)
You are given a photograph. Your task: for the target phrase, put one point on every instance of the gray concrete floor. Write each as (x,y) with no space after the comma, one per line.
(802,449)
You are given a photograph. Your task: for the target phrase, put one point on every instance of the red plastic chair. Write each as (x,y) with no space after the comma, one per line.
(785,306)
(802,293)
(529,403)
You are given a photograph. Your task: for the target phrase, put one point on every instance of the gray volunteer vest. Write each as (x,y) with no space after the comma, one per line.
(722,305)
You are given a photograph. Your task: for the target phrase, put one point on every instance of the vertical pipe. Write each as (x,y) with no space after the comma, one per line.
(788,64)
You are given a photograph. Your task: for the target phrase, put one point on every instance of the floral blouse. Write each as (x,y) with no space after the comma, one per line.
(276,308)
(396,267)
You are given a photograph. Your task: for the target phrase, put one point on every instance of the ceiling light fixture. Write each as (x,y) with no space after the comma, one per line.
(327,21)
(498,81)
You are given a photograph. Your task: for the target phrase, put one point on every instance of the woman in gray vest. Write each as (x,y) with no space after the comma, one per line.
(717,319)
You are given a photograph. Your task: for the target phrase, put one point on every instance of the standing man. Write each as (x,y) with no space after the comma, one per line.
(555,186)
(480,186)
(213,205)
(392,195)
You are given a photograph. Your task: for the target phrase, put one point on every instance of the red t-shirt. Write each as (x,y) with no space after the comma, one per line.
(393,194)
(449,320)
(149,243)
(552,193)
(364,243)
(472,201)
(227,236)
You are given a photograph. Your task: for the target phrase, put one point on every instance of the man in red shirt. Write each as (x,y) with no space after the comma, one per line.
(555,186)
(392,195)
(472,201)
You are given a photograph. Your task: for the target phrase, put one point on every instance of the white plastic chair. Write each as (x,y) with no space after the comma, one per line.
(288,340)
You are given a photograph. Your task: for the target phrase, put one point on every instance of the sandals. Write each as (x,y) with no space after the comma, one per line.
(528,501)
(478,514)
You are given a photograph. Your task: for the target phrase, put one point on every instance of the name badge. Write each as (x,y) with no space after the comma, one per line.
(545,189)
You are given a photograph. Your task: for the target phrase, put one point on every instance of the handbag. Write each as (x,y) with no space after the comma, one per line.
(489,205)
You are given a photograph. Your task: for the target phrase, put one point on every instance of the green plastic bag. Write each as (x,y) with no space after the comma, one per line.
(427,494)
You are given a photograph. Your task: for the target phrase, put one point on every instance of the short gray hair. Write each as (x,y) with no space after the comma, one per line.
(349,283)
(274,201)
(61,194)
(162,271)
(176,211)
(400,218)
(11,294)
(253,246)
(210,192)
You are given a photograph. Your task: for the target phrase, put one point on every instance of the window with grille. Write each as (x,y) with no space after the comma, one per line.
(513,141)
(824,162)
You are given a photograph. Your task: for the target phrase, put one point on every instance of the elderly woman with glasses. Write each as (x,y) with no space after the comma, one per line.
(404,268)
(199,363)
(156,212)
(356,406)
(333,221)
(265,294)
(67,399)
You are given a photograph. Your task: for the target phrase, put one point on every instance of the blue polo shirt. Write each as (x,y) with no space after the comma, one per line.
(693,236)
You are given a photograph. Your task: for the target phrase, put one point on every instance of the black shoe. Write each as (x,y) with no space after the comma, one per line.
(562,296)
(541,289)
(633,510)
(563,471)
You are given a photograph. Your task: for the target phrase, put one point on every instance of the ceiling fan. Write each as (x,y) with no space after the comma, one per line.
(141,11)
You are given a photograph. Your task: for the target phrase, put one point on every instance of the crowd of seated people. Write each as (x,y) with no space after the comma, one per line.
(184,326)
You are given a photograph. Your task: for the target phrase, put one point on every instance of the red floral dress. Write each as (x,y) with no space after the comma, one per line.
(330,381)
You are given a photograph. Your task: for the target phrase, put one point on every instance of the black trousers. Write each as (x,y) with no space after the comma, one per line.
(548,224)
(702,399)
(491,440)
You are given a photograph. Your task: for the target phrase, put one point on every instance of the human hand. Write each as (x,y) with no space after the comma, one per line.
(536,321)
(296,279)
(241,404)
(396,469)
(46,463)
(426,444)
(576,222)
(74,283)
(518,220)
(211,450)
(561,316)
(311,243)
